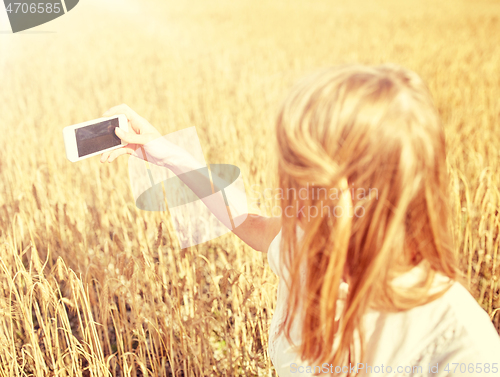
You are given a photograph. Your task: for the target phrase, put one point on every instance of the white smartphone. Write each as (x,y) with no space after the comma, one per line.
(91,138)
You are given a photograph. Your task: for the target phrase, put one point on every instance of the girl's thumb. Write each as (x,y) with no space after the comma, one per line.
(130,137)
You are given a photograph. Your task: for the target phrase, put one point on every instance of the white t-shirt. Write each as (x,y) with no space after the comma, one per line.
(450,336)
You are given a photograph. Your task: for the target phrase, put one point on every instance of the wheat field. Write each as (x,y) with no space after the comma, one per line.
(92,286)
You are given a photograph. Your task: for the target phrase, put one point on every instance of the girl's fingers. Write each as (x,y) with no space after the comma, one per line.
(118,152)
(110,156)
(131,115)
(104,156)
(137,124)
(133,138)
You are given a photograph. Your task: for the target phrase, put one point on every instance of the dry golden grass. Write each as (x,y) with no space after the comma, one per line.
(92,286)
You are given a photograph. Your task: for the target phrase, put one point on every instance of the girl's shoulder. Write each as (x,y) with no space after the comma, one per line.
(476,339)
(449,331)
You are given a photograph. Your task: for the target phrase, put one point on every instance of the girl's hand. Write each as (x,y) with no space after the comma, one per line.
(140,132)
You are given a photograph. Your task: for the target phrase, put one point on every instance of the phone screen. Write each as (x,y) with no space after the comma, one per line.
(97,137)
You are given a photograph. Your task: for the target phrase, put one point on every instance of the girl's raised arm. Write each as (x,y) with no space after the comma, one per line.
(255,230)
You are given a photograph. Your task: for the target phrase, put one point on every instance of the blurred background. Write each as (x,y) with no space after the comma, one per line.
(92,286)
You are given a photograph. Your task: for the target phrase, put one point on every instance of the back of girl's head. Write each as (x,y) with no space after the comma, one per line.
(367,146)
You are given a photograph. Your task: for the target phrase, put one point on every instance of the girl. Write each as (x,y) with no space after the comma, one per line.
(368,275)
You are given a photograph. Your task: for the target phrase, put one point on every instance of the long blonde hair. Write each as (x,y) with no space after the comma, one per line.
(356,129)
